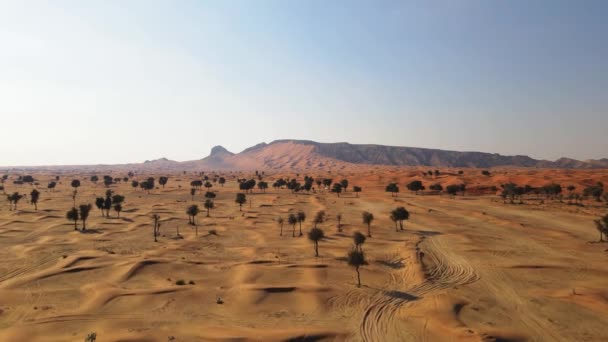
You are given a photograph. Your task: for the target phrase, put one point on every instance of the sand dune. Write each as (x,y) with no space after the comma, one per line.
(468,268)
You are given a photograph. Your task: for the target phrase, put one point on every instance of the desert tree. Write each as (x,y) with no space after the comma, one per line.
(99,203)
(208,205)
(107,204)
(208,185)
(14,199)
(344,184)
(134,184)
(337,188)
(319,218)
(357,190)
(280,222)
(436,187)
(415,186)
(394,218)
(85,209)
(240,200)
(367,219)
(156,227)
(163,180)
(292,219)
(34,197)
(192,193)
(107,181)
(485,173)
(400,214)
(263,186)
(453,189)
(327,182)
(210,195)
(339,219)
(393,188)
(602,226)
(73,215)
(51,186)
(356,259)
(2,189)
(75,183)
(94,179)
(117,209)
(301,218)
(358,240)
(148,184)
(192,211)
(315,235)
(222,181)
(594,191)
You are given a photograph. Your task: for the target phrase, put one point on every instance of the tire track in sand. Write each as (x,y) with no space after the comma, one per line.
(442,268)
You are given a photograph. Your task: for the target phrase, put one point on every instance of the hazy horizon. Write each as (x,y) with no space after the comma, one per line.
(117,82)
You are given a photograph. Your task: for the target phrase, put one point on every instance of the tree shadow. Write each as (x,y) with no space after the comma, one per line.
(91,231)
(425,232)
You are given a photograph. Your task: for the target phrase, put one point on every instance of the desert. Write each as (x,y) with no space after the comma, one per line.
(471,266)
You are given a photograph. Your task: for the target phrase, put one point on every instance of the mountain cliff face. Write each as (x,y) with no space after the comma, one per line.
(306,154)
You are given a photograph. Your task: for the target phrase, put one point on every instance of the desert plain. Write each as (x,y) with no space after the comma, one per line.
(469,267)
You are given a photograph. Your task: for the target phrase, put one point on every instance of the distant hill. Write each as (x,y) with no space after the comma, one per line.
(305,154)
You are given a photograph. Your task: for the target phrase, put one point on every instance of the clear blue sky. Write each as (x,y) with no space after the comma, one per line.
(124,81)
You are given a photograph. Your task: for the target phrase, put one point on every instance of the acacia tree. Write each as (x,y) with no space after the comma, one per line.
(337,188)
(415,186)
(208,205)
(602,227)
(240,200)
(339,219)
(319,218)
(192,192)
(344,184)
(280,222)
(400,214)
(163,180)
(51,186)
(208,185)
(85,209)
(393,217)
(99,202)
(222,181)
(292,220)
(263,186)
(192,211)
(14,199)
(301,218)
(357,190)
(356,259)
(367,219)
(135,184)
(117,200)
(315,235)
(393,188)
(72,215)
(75,184)
(34,197)
(358,240)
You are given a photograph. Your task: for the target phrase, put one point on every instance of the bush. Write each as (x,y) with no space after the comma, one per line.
(180,282)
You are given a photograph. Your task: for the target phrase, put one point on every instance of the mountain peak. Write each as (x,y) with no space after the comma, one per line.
(219,150)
